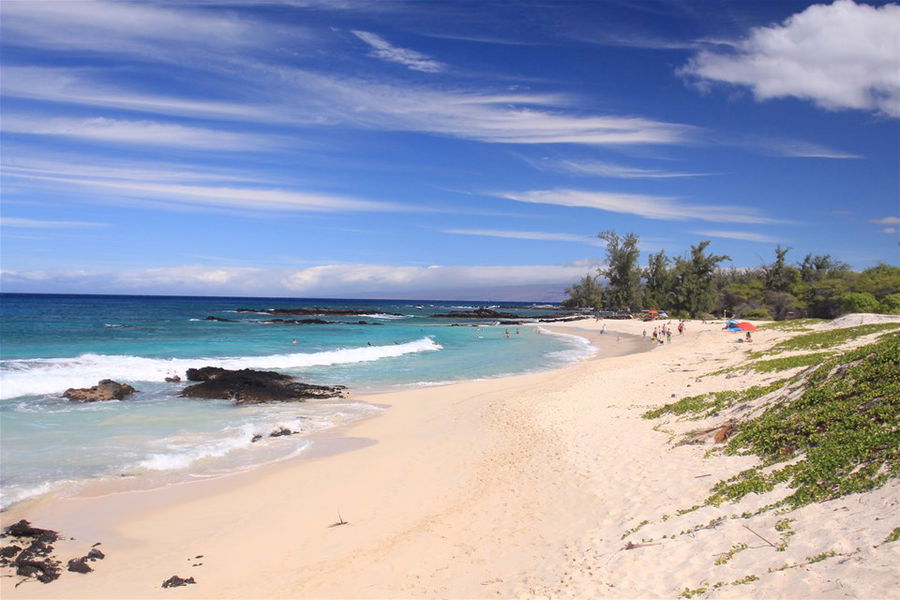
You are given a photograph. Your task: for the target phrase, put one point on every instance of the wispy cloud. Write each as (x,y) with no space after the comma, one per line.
(411,59)
(81,86)
(801,58)
(747,236)
(650,207)
(597,168)
(887,221)
(42,224)
(795,148)
(530,235)
(150,31)
(152,133)
(168,191)
(891,230)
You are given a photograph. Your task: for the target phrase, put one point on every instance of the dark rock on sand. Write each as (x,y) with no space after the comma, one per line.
(248,386)
(33,560)
(256,437)
(107,389)
(95,554)
(79,565)
(176,581)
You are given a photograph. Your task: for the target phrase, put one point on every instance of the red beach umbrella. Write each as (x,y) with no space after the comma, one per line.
(746,326)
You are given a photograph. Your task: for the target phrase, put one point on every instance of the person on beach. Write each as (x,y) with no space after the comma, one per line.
(748,338)
(603,329)
(669,335)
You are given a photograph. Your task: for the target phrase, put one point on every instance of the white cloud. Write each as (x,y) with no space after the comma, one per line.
(42,224)
(651,207)
(839,56)
(891,230)
(747,236)
(530,235)
(322,280)
(383,49)
(151,133)
(598,168)
(887,221)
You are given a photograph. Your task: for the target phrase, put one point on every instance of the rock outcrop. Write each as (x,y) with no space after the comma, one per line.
(106,389)
(315,310)
(248,386)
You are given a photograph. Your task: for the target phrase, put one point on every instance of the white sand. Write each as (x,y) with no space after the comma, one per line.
(514,487)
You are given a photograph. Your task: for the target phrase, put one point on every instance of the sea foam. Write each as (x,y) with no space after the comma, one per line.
(28,377)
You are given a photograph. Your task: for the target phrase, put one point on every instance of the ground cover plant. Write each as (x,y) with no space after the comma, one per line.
(825,339)
(840,435)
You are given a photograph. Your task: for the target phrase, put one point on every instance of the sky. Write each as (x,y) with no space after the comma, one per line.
(436,149)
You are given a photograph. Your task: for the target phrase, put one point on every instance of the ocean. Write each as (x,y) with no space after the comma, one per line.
(49,343)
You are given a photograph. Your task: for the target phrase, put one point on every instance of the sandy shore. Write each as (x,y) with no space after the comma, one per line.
(514,487)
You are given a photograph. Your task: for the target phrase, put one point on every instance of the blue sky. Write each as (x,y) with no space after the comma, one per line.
(436,149)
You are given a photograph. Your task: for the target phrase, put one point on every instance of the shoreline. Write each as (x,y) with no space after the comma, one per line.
(510,487)
(324,442)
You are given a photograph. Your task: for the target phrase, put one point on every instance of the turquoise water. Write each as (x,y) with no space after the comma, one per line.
(49,343)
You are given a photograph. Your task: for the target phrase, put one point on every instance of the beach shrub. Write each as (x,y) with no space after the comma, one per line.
(712,402)
(859,302)
(890,304)
(840,436)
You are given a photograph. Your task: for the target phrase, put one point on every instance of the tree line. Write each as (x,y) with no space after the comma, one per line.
(696,285)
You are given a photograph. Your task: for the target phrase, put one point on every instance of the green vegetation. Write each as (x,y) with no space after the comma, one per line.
(707,404)
(820,557)
(788,362)
(792,325)
(826,339)
(690,593)
(587,293)
(622,272)
(634,529)
(843,432)
(819,286)
(893,536)
(726,556)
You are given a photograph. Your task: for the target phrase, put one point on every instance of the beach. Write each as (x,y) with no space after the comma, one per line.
(523,486)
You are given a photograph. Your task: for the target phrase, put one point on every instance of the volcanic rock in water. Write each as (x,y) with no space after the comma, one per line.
(220,319)
(281,432)
(316,310)
(173,379)
(107,389)
(176,581)
(248,386)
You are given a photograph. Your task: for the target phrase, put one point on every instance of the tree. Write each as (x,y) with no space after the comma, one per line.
(622,271)
(658,280)
(585,294)
(693,287)
(777,278)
